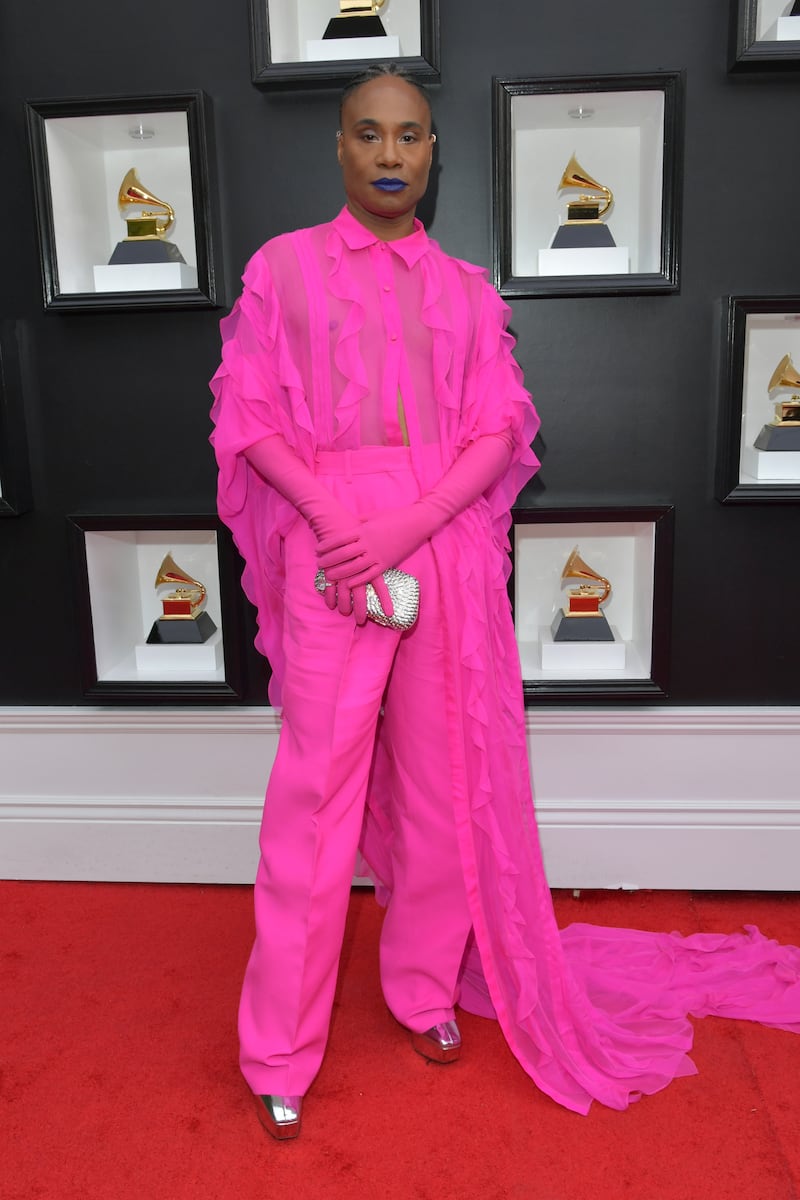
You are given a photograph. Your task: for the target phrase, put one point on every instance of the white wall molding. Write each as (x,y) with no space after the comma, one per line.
(652,797)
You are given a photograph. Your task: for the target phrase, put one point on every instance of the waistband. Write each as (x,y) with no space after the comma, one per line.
(370,459)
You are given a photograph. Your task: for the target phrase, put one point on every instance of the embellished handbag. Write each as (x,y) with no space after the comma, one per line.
(404,593)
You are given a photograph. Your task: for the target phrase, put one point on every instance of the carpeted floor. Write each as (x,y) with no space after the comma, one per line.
(119,1075)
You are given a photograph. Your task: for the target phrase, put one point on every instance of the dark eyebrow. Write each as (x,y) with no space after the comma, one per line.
(403,124)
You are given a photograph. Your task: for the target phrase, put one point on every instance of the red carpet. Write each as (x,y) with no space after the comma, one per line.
(119,1078)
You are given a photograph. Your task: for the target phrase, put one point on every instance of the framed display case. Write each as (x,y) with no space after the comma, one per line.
(765,35)
(591,591)
(299,43)
(124,201)
(15,484)
(158,608)
(759,426)
(587,184)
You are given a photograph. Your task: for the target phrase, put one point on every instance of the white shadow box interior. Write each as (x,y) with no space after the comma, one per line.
(122,566)
(768,337)
(296,28)
(621,551)
(773,23)
(88,158)
(618,138)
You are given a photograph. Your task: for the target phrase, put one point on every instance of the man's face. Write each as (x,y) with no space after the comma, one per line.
(385,153)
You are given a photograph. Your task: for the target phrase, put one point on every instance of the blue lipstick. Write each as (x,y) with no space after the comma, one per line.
(389,185)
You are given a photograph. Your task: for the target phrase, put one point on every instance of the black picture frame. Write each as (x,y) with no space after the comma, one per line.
(271,68)
(68,259)
(108,664)
(758,331)
(750,51)
(664,120)
(641,538)
(15,479)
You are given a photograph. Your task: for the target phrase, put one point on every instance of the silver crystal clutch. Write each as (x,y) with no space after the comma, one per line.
(403,590)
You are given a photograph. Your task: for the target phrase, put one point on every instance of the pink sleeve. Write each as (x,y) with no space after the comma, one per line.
(257,392)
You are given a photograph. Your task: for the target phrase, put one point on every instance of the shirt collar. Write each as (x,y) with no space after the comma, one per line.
(356,237)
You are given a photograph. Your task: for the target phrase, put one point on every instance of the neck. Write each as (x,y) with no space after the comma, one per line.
(387,228)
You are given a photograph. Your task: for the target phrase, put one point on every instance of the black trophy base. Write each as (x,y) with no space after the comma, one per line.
(566,628)
(148,250)
(570,237)
(346,27)
(778,437)
(182,633)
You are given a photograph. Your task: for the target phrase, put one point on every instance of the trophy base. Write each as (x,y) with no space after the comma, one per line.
(585,260)
(564,660)
(766,467)
(145,277)
(145,250)
(581,234)
(350,27)
(785,29)
(778,437)
(345,48)
(181,633)
(566,628)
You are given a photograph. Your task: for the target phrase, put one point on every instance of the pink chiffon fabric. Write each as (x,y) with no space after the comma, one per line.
(331,325)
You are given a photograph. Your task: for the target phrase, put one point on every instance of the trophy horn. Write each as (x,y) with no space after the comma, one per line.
(576,568)
(575,177)
(132,192)
(785,374)
(170,572)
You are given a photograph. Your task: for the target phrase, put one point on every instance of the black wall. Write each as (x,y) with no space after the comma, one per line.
(117,404)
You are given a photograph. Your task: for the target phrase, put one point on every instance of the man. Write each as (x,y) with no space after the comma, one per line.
(369,415)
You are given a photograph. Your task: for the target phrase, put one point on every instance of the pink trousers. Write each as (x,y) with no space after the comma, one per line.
(343,681)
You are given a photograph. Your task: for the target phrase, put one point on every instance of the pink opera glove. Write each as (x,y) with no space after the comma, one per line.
(280,466)
(387,538)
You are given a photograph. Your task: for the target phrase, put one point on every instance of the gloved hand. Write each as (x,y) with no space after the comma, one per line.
(354,600)
(387,538)
(281,467)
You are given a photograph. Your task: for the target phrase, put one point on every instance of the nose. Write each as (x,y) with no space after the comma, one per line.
(389,155)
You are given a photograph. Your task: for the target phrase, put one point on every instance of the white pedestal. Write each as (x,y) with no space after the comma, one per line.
(783,465)
(162,661)
(334,49)
(144,277)
(585,260)
(785,29)
(581,656)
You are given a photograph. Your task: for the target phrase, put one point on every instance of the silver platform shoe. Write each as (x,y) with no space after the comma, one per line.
(280,1115)
(441,1043)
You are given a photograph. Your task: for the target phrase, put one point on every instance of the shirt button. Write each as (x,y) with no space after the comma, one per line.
(386,287)
(393,337)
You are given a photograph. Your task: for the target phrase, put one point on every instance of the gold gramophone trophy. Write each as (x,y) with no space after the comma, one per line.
(184,620)
(357,18)
(584,225)
(783,431)
(583,621)
(147,228)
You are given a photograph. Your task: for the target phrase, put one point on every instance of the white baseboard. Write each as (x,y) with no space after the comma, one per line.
(645,798)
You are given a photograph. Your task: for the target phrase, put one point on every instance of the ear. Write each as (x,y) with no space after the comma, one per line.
(339,150)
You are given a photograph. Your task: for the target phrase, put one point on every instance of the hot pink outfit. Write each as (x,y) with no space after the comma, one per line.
(412,746)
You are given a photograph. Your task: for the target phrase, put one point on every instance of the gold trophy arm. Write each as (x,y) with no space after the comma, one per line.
(575,177)
(131,192)
(576,568)
(784,375)
(170,572)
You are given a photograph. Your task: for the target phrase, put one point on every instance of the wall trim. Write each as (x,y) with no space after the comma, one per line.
(655,797)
